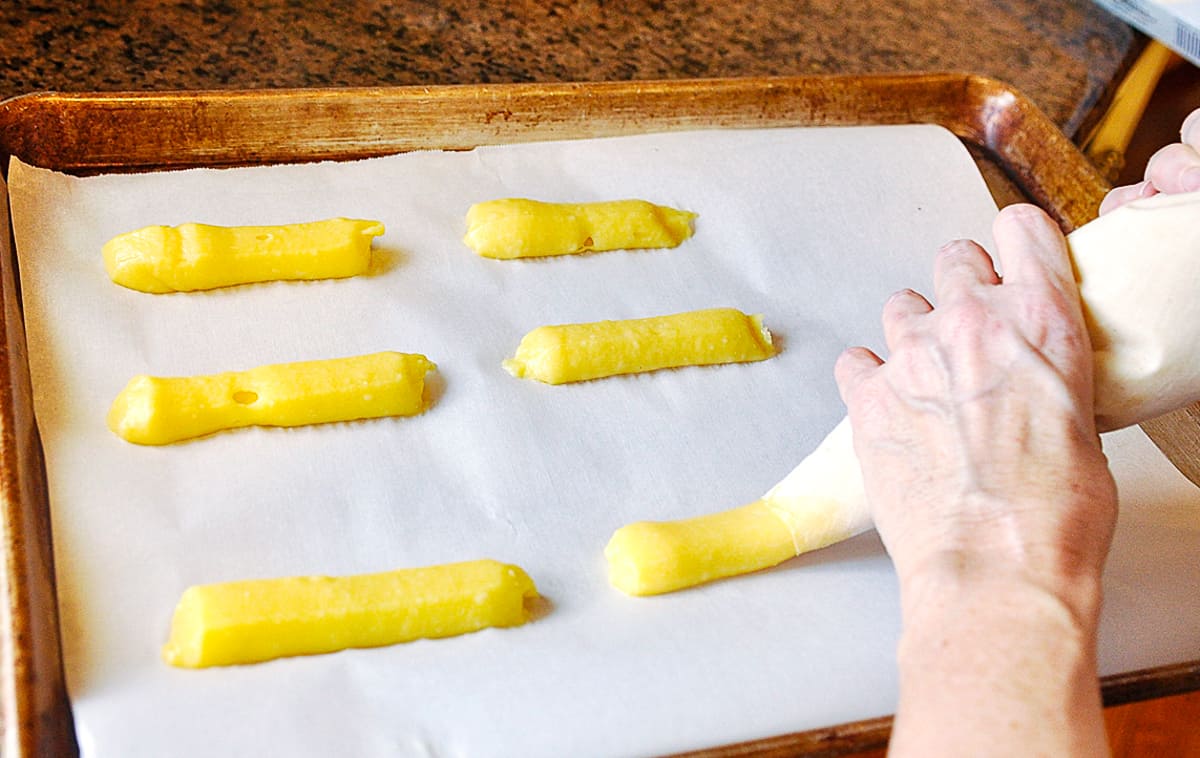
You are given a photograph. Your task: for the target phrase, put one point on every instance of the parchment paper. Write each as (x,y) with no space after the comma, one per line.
(811,227)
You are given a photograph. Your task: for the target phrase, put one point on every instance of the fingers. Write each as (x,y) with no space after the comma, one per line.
(1175,168)
(1189,133)
(1127,194)
(961,265)
(899,312)
(853,366)
(1031,248)
(856,364)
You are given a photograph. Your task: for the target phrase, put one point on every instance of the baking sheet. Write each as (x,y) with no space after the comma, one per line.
(812,227)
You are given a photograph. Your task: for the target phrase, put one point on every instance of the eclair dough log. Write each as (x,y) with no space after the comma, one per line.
(819,503)
(159,410)
(201,256)
(258,620)
(520,228)
(652,557)
(577,352)
(1137,269)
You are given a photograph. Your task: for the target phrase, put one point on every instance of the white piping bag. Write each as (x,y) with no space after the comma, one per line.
(1138,270)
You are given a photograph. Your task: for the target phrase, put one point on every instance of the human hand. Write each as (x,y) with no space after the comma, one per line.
(976,437)
(1174,168)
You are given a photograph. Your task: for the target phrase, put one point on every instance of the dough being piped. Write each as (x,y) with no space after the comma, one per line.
(1137,269)
(820,502)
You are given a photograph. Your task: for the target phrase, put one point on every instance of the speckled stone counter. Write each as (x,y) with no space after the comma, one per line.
(1064,54)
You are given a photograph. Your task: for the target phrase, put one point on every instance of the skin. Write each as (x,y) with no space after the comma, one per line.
(990,490)
(1174,168)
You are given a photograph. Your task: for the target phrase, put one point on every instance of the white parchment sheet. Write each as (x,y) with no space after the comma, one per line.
(811,227)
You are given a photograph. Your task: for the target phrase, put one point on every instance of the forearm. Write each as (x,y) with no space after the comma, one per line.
(997,666)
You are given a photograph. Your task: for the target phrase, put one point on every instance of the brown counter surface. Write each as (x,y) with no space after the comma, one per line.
(1065,55)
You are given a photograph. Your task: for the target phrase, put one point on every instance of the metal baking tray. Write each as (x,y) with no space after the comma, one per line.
(1022,155)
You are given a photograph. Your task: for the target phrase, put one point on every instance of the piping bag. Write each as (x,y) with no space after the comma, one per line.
(1138,271)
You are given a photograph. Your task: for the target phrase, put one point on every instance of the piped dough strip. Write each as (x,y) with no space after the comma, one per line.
(190,257)
(155,410)
(521,228)
(259,620)
(578,352)
(819,503)
(1137,268)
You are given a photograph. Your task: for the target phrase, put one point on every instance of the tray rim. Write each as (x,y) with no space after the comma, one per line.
(984,113)
(981,110)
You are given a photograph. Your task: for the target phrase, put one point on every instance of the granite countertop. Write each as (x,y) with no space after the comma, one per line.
(1065,55)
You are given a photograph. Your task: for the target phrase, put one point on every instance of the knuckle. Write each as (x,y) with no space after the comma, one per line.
(967,316)
(868,399)
(956,249)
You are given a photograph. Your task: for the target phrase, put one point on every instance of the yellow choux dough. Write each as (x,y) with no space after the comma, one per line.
(258,620)
(158,410)
(577,352)
(649,558)
(520,228)
(201,256)
(819,503)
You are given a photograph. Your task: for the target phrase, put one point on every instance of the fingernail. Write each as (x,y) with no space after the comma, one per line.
(1190,180)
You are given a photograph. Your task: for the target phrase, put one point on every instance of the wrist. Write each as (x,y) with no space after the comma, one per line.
(983,653)
(979,579)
